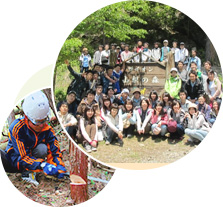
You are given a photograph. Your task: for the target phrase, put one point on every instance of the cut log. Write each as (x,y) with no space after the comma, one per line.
(78,189)
(78,174)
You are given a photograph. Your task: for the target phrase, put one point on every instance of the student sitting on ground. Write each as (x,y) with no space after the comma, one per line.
(33,146)
(153,97)
(114,126)
(88,101)
(167,101)
(106,107)
(121,98)
(159,120)
(176,123)
(183,100)
(213,86)
(203,107)
(67,119)
(98,94)
(89,129)
(197,128)
(215,110)
(105,110)
(129,118)
(110,93)
(193,87)
(173,84)
(72,103)
(143,117)
(136,98)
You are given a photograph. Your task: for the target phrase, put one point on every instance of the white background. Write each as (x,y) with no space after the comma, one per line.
(32,33)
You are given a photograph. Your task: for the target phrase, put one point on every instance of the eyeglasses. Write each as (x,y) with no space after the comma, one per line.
(38,123)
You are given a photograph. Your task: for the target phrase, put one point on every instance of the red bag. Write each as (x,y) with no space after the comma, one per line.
(172,126)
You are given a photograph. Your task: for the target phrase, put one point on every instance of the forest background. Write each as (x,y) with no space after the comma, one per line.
(128,22)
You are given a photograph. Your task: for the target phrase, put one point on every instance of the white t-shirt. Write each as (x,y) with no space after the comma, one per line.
(212,88)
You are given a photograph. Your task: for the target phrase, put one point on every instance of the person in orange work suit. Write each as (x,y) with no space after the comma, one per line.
(33,146)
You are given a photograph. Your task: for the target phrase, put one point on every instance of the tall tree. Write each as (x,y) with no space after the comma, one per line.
(114,21)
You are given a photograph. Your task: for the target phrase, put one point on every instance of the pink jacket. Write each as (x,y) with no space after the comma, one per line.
(155,119)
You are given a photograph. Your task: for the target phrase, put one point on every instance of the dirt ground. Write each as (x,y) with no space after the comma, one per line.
(54,192)
(143,149)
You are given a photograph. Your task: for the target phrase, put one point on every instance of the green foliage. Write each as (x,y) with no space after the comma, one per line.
(70,50)
(114,21)
(128,21)
(60,95)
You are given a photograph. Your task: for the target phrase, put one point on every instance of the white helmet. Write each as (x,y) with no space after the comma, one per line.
(36,106)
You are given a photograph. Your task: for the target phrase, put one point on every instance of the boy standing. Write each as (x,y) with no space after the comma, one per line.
(156,52)
(164,50)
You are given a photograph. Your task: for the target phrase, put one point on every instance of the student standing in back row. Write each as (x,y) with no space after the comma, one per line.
(164,51)
(195,59)
(97,55)
(176,52)
(156,52)
(105,57)
(85,61)
(184,54)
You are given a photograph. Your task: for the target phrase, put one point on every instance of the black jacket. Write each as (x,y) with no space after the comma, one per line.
(194,92)
(78,85)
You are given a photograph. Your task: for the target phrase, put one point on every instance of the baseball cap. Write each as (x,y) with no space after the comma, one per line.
(173,69)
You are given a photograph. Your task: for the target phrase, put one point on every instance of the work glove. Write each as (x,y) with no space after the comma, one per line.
(61,170)
(49,169)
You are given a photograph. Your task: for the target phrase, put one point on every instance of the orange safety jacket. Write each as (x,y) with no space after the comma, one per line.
(22,140)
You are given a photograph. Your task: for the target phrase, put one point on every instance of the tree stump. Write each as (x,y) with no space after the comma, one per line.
(78,174)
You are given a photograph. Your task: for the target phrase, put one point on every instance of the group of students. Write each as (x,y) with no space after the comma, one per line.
(113,117)
(107,56)
(97,107)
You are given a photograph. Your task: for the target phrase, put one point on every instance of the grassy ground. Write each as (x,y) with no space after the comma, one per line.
(143,149)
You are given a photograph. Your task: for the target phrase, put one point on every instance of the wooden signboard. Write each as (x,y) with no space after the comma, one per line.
(146,76)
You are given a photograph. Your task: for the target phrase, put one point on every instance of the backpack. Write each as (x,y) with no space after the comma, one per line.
(172,126)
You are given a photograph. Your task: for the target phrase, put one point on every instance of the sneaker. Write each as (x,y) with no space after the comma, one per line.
(107,142)
(129,135)
(30,177)
(120,141)
(93,148)
(190,140)
(88,148)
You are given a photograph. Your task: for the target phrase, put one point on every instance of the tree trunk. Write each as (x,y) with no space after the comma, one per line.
(210,53)
(49,97)
(11,117)
(79,167)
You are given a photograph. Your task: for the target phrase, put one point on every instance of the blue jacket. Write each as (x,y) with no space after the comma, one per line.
(162,53)
(106,83)
(22,140)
